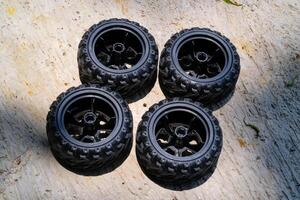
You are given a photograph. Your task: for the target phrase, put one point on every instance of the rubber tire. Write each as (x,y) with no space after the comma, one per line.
(176,174)
(213,92)
(134,83)
(85,158)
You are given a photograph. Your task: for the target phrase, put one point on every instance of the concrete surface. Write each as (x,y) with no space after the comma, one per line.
(38,46)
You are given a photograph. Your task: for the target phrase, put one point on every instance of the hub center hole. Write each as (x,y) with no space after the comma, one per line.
(90,118)
(118,47)
(201,57)
(181,131)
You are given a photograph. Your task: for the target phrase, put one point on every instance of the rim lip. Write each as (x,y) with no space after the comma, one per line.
(206,35)
(140,35)
(187,107)
(78,95)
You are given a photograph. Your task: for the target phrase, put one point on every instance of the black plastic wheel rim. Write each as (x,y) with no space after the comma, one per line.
(89,119)
(180,133)
(201,57)
(119,48)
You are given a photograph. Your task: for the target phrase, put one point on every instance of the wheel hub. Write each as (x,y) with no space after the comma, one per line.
(202,57)
(181,132)
(118,47)
(90,118)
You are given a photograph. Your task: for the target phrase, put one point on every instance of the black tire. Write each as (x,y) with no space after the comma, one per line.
(89,129)
(200,64)
(190,166)
(109,67)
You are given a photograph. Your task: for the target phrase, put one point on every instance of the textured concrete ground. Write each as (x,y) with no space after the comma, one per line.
(38,46)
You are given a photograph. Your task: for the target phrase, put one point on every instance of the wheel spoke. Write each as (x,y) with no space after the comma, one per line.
(123,66)
(102,115)
(131,55)
(105,45)
(193,48)
(125,39)
(102,134)
(185,150)
(104,57)
(92,104)
(102,130)
(202,76)
(186,61)
(74,130)
(107,124)
(213,69)
(214,55)
(179,153)
(172,150)
(166,124)
(75,122)
(196,136)
(161,131)
(162,143)
(172,127)
(73,119)
(196,67)
(88,139)
(191,73)
(190,126)
(114,67)
(163,137)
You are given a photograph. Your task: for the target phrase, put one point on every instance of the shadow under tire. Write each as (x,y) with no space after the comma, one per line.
(178,143)
(200,64)
(89,129)
(120,54)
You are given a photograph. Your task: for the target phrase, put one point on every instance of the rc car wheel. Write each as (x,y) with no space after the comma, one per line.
(89,129)
(178,143)
(120,54)
(200,64)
